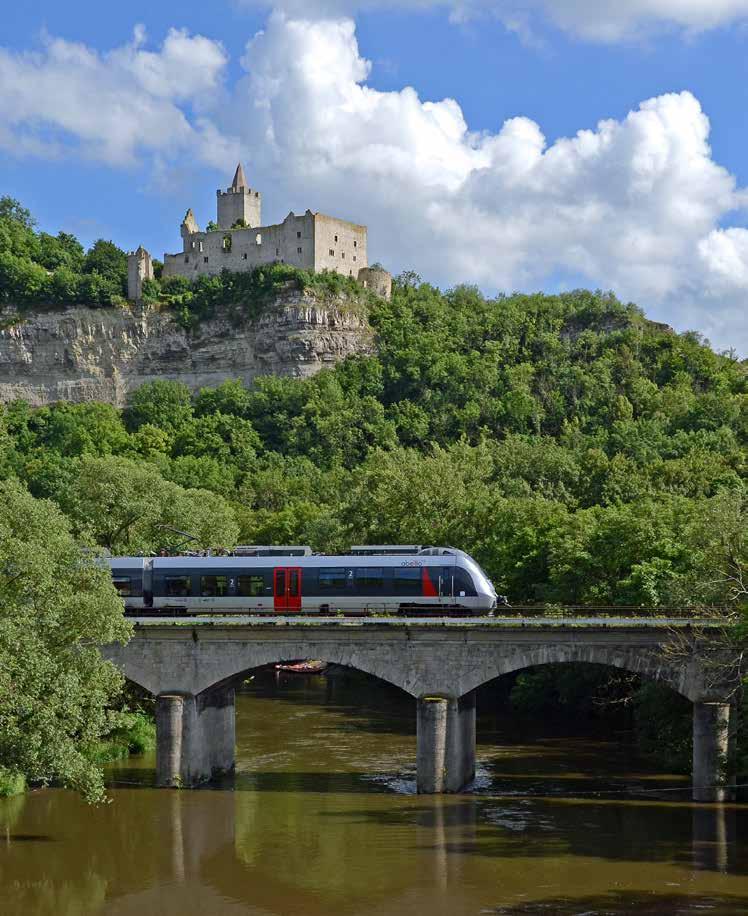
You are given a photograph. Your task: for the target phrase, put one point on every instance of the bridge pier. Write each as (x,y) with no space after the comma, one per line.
(195,737)
(446,744)
(713,751)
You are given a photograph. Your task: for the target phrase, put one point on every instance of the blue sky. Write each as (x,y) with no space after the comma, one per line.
(105,135)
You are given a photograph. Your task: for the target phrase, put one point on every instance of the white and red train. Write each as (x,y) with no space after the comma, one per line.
(272,580)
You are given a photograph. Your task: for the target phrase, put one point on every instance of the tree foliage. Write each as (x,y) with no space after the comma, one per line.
(580,452)
(38,269)
(58,606)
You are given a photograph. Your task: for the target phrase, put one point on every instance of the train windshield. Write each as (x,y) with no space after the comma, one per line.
(477,571)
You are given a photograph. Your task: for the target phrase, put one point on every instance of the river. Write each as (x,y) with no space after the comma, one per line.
(322,820)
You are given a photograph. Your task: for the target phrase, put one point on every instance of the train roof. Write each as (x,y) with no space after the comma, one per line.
(314,561)
(125,562)
(430,556)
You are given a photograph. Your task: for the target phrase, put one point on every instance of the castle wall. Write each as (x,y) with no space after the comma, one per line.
(302,241)
(339,245)
(207,255)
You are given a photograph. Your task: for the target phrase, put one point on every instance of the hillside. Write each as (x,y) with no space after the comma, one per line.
(582,453)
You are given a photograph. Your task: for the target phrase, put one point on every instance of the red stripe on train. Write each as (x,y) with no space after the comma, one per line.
(428,586)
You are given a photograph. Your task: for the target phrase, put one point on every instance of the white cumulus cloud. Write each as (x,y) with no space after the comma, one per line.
(637,204)
(634,204)
(596,20)
(109,106)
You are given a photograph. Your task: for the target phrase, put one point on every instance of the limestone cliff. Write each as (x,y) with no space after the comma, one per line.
(84,354)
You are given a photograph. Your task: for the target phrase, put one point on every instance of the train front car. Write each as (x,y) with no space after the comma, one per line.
(485,594)
(470,589)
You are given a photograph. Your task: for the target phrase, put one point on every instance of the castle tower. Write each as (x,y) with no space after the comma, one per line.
(377,279)
(139,269)
(239,202)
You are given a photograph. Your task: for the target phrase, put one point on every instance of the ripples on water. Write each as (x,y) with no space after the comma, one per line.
(322,818)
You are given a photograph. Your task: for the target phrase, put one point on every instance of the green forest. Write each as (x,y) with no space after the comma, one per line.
(581,453)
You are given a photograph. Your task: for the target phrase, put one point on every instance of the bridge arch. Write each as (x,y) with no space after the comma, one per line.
(265,655)
(646,663)
(198,666)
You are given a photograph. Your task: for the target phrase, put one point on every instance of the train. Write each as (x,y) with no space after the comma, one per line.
(369,579)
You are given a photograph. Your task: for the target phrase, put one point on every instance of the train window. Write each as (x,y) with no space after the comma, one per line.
(250,586)
(463,582)
(407,580)
(334,578)
(370,578)
(293,584)
(123,584)
(177,586)
(214,586)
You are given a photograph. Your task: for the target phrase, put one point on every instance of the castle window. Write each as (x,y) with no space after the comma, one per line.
(298,251)
(336,238)
(186,259)
(298,235)
(201,246)
(193,246)
(277,252)
(244,256)
(226,243)
(205,260)
(355,244)
(342,255)
(354,257)
(332,253)
(258,238)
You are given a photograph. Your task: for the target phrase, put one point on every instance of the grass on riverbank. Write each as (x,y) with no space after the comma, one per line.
(135,734)
(11,783)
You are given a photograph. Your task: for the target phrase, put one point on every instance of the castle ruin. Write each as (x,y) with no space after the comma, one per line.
(238,242)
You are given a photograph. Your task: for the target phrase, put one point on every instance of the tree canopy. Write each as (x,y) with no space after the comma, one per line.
(57,606)
(38,269)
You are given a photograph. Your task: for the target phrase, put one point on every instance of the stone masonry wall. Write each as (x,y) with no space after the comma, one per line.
(204,252)
(83,354)
(312,241)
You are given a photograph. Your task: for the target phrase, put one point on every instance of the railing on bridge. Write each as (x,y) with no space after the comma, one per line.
(518,612)
(571,611)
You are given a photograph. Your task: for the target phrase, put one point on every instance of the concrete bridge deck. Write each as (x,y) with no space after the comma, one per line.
(192,665)
(317,620)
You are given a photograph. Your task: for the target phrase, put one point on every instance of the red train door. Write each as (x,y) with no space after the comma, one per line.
(287,588)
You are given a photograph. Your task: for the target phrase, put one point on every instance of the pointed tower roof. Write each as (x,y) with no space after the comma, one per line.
(240,180)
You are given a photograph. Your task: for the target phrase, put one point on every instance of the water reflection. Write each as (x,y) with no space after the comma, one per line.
(321,819)
(713,837)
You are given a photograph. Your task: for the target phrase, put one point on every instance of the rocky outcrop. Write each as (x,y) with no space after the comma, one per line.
(85,354)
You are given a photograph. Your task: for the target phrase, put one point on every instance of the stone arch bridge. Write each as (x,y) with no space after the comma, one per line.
(192,667)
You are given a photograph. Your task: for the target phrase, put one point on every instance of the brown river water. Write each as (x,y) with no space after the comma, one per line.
(322,820)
